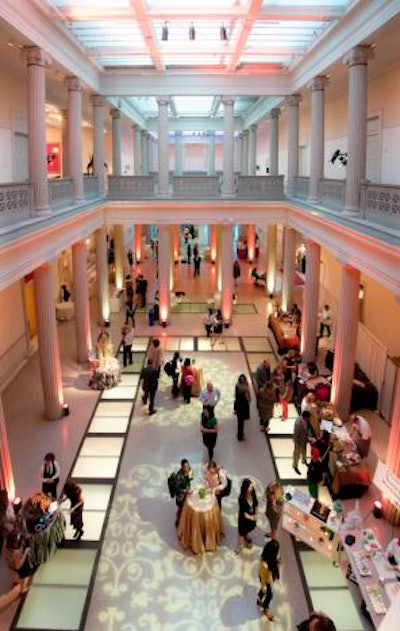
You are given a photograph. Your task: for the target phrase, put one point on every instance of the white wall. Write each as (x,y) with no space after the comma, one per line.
(13,339)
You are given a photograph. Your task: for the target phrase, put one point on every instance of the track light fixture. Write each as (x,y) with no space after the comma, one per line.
(223,35)
(164,32)
(192,32)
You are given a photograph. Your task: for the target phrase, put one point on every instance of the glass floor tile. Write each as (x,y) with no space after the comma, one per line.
(101,446)
(204,344)
(276,426)
(320,571)
(232,344)
(118,393)
(129,380)
(285,469)
(48,607)
(257,344)
(282,447)
(109,425)
(97,496)
(95,467)
(66,567)
(339,604)
(113,409)
(140,344)
(173,344)
(93,521)
(244,308)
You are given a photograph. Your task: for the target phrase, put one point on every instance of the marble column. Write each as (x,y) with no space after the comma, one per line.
(346,341)
(274,141)
(357,61)
(228,181)
(210,153)
(317,141)
(144,151)
(253,150)
(392,514)
(289,256)
(138,152)
(163,165)
(64,143)
(176,242)
(138,243)
(150,142)
(116,140)
(164,253)
(178,153)
(271,257)
(37,60)
(49,354)
(74,87)
(309,321)
(244,166)
(213,242)
(251,242)
(103,298)
(226,272)
(118,233)
(173,249)
(239,157)
(98,142)
(81,301)
(5,456)
(293,102)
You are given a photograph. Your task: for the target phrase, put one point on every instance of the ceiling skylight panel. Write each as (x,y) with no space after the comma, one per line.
(193,105)
(186,60)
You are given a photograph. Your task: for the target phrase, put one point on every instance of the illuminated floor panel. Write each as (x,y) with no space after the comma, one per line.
(118,393)
(232,343)
(48,607)
(320,571)
(92,467)
(258,344)
(66,567)
(113,408)
(96,446)
(129,380)
(255,360)
(92,525)
(277,426)
(339,604)
(285,469)
(108,425)
(97,496)
(282,447)
(140,344)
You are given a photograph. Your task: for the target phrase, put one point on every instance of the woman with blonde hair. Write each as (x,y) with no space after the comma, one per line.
(274,508)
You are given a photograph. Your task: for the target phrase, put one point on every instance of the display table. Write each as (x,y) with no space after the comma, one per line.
(349,477)
(105,375)
(45,542)
(285,334)
(65,311)
(312,522)
(200,525)
(376,578)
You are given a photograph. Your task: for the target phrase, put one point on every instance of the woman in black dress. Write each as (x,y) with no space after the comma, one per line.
(247,519)
(242,404)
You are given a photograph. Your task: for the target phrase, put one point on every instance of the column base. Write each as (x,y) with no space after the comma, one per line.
(43,212)
(351,212)
(313,200)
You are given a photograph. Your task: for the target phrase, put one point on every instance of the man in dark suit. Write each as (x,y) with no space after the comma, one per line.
(149,376)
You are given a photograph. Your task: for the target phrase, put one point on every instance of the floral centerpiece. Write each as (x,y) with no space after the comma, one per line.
(202,493)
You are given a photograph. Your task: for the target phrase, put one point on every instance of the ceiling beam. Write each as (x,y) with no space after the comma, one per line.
(244,33)
(146,29)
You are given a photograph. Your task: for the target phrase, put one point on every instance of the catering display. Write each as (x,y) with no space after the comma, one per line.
(105,370)
(310,521)
(374,568)
(45,524)
(285,332)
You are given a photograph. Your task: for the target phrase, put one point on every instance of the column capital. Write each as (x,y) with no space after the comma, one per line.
(275,112)
(73,84)
(228,100)
(163,100)
(294,100)
(319,83)
(359,56)
(115,113)
(144,133)
(245,133)
(36,56)
(253,128)
(97,100)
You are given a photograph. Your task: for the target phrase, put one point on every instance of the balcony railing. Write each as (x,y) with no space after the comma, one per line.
(331,193)
(269,187)
(301,185)
(131,187)
(195,186)
(60,193)
(381,204)
(16,203)
(90,186)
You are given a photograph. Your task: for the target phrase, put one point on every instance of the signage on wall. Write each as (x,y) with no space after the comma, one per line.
(53,158)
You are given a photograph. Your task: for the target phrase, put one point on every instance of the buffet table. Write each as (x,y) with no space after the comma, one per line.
(285,334)
(45,524)
(200,525)
(349,477)
(377,580)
